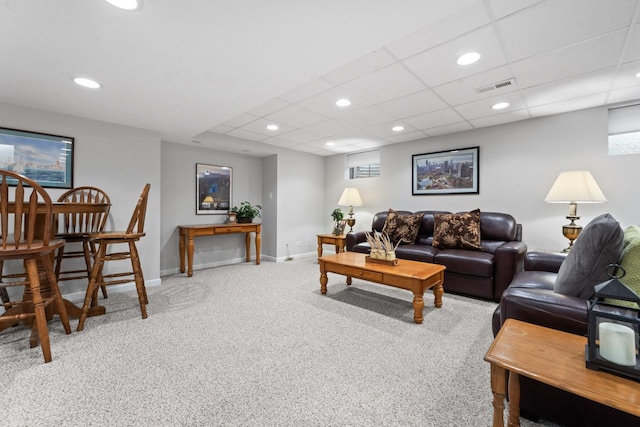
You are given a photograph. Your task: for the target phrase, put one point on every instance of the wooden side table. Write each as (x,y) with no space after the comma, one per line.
(340,242)
(555,358)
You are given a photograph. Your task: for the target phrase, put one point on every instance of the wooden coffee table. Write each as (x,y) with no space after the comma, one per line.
(414,276)
(552,357)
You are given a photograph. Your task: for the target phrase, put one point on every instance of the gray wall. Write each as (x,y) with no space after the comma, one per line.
(518,164)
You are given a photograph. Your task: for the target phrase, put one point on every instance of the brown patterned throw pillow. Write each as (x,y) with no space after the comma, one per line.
(402,228)
(457,231)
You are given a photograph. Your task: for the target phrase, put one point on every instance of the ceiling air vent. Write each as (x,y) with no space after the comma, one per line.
(499,85)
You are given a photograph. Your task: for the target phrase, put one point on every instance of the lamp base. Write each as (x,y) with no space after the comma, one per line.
(351,222)
(571,231)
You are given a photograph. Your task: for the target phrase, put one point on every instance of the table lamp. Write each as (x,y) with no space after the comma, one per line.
(350,197)
(574,187)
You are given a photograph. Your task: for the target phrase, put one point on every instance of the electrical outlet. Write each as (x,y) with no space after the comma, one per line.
(217,249)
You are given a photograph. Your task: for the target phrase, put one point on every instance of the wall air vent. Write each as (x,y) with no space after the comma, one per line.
(499,85)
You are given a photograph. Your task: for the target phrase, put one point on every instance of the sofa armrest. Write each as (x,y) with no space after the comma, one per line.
(508,260)
(354,238)
(544,261)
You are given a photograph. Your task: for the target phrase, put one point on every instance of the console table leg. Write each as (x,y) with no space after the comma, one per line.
(190,257)
(182,252)
(247,246)
(258,240)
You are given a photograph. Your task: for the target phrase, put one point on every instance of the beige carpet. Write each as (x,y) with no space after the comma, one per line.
(247,345)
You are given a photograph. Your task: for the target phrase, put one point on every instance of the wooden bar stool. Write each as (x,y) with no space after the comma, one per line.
(25,227)
(134,232)
(77,229)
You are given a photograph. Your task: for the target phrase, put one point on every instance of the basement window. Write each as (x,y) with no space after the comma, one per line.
(364,165)
(624,130)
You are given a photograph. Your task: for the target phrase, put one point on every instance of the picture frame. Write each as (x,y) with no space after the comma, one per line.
(446,172)
(47,159)
(214,186)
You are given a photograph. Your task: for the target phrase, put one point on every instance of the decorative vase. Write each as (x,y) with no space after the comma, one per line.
(390,255)
(244,220)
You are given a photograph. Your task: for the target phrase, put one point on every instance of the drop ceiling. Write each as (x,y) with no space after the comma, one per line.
(216,73)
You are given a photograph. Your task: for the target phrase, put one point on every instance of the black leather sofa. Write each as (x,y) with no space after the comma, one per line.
(530,297)
(484,274)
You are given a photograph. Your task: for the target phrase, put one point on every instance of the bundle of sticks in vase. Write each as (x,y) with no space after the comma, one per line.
(382,248)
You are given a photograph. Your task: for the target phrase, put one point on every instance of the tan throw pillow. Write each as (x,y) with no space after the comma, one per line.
(457,231)
(402,228)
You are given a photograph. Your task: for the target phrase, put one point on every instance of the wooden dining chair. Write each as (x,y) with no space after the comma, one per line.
(77,230)
(103,241)
(25,229)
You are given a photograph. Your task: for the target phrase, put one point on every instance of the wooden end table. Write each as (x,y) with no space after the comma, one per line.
(340,242)
(413,276)
(555,358)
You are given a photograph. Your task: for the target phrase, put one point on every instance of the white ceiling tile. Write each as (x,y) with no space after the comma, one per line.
(465,90)
(260,126)
(385,84)
(452,128)
(465,20)
(482,108)
(384,130)
(361,66)
(576,87)
(633,48)
(592,55)
(499,119)
(624,95)
(438,65)
(300,136)
(269,107)
(314,87)
(240,133)
(240,120)
(410,136)
(325,103)
(502,8)
(566,106)
(367,117)
(221,128)
(565,22)
(433,119)
(626,76)
(295,116)
(330,128)
(413,105)
(280,142)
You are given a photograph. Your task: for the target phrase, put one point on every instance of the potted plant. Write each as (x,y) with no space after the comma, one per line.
(339,224)
(246,212)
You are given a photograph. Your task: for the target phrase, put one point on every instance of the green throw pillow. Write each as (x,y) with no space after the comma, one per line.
(631,263)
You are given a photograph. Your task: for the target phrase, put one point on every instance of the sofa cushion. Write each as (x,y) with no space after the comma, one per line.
(457,231)
(417,252)
(630,261)
(478,264)
(599,244)
(402,228)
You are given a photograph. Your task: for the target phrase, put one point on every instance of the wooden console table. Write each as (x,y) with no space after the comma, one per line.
(189,232)
(552,357)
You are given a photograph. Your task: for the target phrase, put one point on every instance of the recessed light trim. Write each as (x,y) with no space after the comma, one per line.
(500,105)
(126,4)
(398,128)
(343,102)
(468,58)
(85,82)
(272,127)
(330,144)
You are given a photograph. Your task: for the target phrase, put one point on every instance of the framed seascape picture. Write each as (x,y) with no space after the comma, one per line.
(46,159)
(446,172)
(213,189)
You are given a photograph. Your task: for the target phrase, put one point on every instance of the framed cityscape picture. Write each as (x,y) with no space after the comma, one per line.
(46,159)
(446,172)
(213,189)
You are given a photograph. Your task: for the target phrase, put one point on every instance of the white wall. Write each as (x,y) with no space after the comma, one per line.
(118,159)
(518,164)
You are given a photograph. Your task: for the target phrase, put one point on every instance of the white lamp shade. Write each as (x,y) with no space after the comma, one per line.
(575,187)
(350,197)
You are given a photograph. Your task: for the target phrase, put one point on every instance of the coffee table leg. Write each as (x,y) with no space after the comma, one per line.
(418,305)
(514,400)
(498,388)
(323,281)
(438,291)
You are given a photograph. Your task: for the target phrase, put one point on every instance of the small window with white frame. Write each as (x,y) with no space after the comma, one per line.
(363,165)
(624,130)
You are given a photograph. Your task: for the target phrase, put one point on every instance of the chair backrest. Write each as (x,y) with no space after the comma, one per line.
(25,216)
(84,222)
(137,219)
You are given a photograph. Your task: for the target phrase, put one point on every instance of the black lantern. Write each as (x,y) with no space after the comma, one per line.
(614,330)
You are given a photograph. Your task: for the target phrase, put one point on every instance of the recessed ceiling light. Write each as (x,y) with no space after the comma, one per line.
(468,58)
(638,75)
(272,127)
(500,105)
(126,4)
(330,144)
(397,128)
(344,102)
(84,82)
